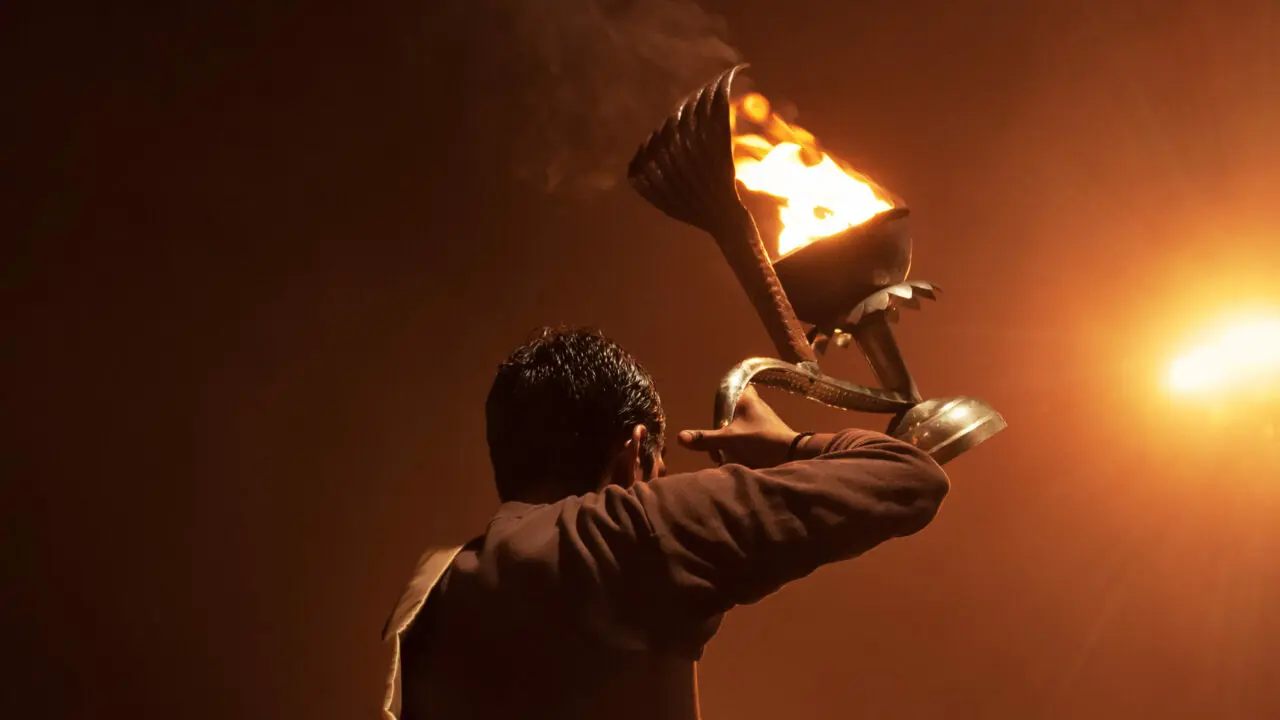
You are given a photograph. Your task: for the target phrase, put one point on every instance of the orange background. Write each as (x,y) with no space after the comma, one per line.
(267,260)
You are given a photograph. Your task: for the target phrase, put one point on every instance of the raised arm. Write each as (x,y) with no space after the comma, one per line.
(676,551)
(732,535)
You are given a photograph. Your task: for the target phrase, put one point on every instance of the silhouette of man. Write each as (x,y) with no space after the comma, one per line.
(600,579)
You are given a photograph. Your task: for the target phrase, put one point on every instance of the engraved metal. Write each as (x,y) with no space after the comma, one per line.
(849,286)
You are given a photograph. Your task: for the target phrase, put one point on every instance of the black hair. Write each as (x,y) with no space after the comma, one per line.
(559,408)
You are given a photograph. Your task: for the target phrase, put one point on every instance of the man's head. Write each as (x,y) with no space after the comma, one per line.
(570,412)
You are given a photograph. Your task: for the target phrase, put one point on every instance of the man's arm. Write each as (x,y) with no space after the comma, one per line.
(678,550)
(731,535)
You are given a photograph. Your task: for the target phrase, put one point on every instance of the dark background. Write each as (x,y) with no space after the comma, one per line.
(262,262)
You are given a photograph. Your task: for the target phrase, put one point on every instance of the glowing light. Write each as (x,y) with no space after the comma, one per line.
(818,196)
(1243,358)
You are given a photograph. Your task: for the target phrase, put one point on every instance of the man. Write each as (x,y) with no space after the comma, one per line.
(595,587)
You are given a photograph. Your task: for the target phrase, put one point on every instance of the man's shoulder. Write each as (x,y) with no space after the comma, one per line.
(557,543)
(614,511)
(430,568)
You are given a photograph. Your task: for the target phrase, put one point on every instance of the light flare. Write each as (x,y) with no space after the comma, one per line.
(1242,359)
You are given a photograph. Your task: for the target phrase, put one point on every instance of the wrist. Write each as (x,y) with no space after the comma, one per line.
(796,443)
(812,445)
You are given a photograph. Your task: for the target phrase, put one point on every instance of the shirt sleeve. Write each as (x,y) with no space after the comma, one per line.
(729,535)
(697,544)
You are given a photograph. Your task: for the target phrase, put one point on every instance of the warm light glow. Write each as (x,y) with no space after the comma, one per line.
(818,197)
(1242,359)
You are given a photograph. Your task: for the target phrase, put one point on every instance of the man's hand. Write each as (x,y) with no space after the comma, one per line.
(757,437)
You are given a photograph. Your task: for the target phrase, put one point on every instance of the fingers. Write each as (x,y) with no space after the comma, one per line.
(748,406)
(698,439)
(703,441)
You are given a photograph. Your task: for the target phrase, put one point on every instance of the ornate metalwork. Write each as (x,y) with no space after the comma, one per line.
(685,169)
(849,286)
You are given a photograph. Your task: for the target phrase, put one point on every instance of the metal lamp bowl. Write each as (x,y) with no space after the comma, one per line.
(827,277)
(948,427)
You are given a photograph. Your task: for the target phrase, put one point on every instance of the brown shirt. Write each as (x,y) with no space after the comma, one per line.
(598,606)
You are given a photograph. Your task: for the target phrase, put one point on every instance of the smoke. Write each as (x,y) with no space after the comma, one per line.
(594,77)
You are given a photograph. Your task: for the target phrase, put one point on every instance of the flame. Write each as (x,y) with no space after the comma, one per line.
(817,196)
(1243,358)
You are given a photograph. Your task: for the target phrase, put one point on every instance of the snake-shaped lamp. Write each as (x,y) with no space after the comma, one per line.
(686,170)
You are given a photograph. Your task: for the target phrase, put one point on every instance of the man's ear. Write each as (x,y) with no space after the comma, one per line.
(626,470)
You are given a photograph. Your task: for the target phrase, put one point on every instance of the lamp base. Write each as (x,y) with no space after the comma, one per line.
(948,427)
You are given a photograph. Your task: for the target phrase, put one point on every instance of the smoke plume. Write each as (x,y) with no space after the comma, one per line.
(594,77)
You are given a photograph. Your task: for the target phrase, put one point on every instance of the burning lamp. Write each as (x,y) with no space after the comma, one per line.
(841,275)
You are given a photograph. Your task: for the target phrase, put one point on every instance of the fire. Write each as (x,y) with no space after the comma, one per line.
(1243,359)
(817,196)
